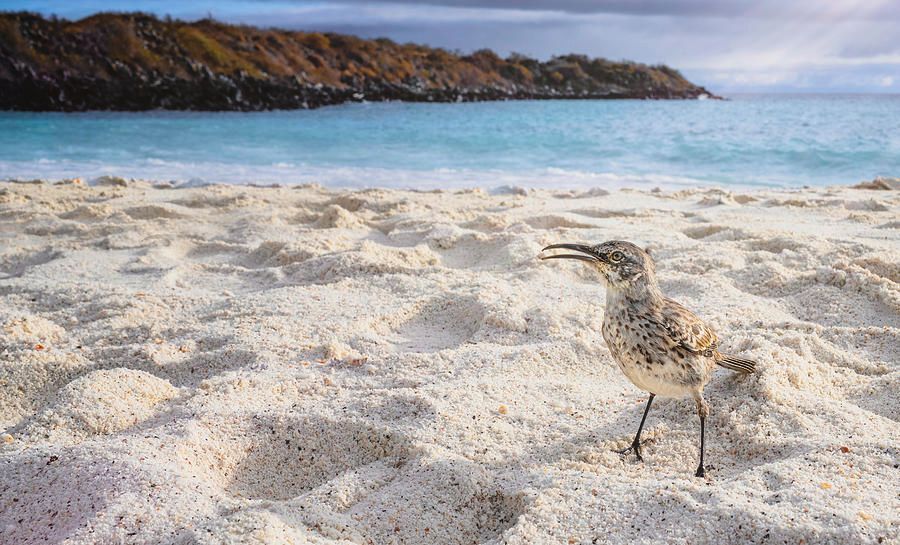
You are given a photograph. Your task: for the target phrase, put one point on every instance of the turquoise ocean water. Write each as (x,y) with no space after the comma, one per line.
(744,141)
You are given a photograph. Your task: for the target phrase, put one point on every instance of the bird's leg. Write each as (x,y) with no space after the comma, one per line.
(636,444)
(703,411)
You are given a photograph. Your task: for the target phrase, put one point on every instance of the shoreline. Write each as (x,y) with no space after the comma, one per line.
(614,182)
(239,364)
(348,97)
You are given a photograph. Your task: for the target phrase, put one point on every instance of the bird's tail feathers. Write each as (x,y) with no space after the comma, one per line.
(741,365)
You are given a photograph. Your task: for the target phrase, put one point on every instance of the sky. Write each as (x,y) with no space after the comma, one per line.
(729,46)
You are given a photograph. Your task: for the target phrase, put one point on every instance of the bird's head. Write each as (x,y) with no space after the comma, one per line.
(621,263)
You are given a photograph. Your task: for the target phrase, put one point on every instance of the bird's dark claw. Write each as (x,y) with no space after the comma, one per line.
(701,472)
(636,448)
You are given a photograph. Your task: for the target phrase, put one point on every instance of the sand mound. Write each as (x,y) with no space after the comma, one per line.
(336,216)
(603,213)
(152,212)
(714,232)
(110,181)
(31,330)
(102,403)
(224,365)
(882,184)
(368,259)
(90,212)
(556,222)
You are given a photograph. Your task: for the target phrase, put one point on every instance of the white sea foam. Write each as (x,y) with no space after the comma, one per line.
(351,177)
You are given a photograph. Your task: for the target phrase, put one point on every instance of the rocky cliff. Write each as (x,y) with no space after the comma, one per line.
(139,62)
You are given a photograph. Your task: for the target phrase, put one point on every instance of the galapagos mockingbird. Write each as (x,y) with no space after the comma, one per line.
(662,347)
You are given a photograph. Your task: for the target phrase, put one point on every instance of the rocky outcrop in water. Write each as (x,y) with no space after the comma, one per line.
(139,62)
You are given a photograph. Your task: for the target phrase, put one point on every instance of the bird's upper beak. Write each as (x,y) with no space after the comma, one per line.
(589,256)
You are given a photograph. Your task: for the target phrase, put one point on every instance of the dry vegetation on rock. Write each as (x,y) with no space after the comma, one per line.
(136,61)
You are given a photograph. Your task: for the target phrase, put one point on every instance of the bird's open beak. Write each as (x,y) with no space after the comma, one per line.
(583,248)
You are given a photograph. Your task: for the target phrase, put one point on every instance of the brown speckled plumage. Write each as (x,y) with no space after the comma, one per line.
(661,346)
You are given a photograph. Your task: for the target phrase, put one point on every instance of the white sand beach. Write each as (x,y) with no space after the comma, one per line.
(290,365)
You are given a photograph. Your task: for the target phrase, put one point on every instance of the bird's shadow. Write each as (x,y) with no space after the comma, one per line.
(600,445)
(596,443)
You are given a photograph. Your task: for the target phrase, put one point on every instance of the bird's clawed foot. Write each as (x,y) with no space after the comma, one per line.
(701,471)
(636,448)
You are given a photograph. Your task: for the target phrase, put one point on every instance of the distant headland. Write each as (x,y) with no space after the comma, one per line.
(135,61)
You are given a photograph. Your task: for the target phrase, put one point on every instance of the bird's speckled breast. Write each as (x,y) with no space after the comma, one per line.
(649,358)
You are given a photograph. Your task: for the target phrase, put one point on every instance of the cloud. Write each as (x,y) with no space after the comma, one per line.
(777,9)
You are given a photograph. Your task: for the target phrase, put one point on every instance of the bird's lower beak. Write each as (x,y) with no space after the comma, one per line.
(583,248)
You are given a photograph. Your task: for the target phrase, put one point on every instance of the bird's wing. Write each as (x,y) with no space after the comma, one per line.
(686,329)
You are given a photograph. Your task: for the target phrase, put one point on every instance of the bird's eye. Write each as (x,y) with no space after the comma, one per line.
(617,256)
